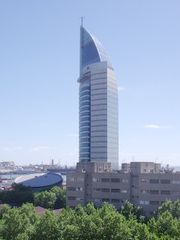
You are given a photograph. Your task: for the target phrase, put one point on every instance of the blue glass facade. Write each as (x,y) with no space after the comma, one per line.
(84,123)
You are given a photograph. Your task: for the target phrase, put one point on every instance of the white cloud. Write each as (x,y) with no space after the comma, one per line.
(156,126)
(120,89)
(12,149)
(40,148)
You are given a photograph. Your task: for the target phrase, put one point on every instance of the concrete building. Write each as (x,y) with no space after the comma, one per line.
(144,184)
(98,103)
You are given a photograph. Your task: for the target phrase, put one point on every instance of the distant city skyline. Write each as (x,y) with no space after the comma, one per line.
(39,62)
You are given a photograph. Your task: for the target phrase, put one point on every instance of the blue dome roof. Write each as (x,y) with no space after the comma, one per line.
(91,50)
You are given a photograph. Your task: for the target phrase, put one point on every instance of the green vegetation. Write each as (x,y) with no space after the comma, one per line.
(53,198)
(89,223)
(171,207)
(17,196)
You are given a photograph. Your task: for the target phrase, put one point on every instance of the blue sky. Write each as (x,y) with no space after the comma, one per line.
(39,67)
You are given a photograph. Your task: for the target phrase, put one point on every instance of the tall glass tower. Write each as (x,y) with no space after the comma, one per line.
(98,103)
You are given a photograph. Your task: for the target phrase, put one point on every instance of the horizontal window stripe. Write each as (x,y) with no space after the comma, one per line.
(87,86)
(84,93)
(98,99)
(97,89)
(101,80)
(99,131)
(99,104)
(99,110)
(100,125)
(99,94)
(94,74)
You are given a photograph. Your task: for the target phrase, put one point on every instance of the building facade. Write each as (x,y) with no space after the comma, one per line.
(96,178)
(145,184)
(98,103)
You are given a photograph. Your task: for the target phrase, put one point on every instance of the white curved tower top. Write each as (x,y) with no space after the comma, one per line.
(91,50)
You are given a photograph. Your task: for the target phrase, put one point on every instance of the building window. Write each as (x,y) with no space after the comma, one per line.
(165,181)
(71,189)
(104,179)
(96,179)
(143,180)
(105,190)
(125,180)
(115,180)
(143,191)
(165,192)
(176,182)
(123,191)
(176,192)
(79,199)
(143,202)
(115,200)
(154,192)
(154,202)
(71,198)
(115,190)
(154,181)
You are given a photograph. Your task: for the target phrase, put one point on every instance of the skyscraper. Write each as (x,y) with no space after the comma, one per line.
(98,103)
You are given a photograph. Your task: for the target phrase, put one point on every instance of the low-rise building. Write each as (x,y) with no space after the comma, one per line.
(145,184)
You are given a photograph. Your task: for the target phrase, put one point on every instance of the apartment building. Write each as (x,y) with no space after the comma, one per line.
(145,184)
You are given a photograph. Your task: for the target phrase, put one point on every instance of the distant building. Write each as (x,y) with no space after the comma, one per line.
(98,103)
(145,184)
(40,181)
(7,165)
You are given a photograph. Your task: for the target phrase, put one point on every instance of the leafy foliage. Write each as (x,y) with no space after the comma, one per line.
(172,207)
(18,223)
(131,211)
(54,198)
(45,199)
(17,196)
(87,223)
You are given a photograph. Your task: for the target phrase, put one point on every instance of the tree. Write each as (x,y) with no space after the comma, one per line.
(19,195)
(45,199)
(46,228)
(18,223)
(164,225)
(85,223)
(20,188)
(129,211)
(60,197)
(172,207)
